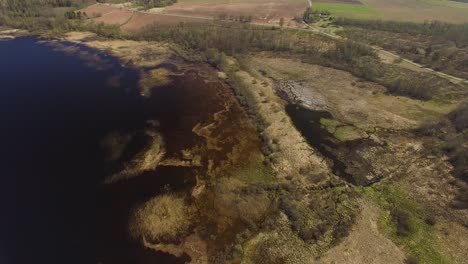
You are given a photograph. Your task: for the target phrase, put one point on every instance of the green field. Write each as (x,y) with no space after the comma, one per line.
(347,10)
(420,10)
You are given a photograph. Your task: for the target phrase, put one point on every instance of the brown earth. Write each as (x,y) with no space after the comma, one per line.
(140,20)
(97,10)
(116,16)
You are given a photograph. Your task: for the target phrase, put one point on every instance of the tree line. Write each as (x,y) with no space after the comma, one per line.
(237,39)
(454,32)
(35,8)
(441,46)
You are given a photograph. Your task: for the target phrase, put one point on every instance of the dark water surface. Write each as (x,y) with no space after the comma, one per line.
(308,123)
(54,111)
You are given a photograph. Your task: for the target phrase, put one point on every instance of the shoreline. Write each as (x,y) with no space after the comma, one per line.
(8,34)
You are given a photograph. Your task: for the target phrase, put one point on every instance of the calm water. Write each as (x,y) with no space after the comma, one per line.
(55,108)
(308,123)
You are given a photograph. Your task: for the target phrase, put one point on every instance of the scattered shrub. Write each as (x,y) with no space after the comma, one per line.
(459,117)
(401,218)
(430,220)
(411,260)
(412,86)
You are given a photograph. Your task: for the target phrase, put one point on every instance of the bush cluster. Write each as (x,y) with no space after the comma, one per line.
(401,219)
(327,213)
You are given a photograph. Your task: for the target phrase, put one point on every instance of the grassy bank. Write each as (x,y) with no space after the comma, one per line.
(406,222)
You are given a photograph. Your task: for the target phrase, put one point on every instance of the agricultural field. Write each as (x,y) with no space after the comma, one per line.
(264,11)
(192,11)
(345,8)
(130,20)
(402,10)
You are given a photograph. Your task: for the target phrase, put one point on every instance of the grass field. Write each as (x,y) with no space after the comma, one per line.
(348,10)
(420,10)
(401,10)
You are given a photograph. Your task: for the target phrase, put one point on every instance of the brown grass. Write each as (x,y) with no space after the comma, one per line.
(134,53)
(164,217)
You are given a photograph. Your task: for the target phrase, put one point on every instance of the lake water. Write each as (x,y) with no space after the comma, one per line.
(55,109)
